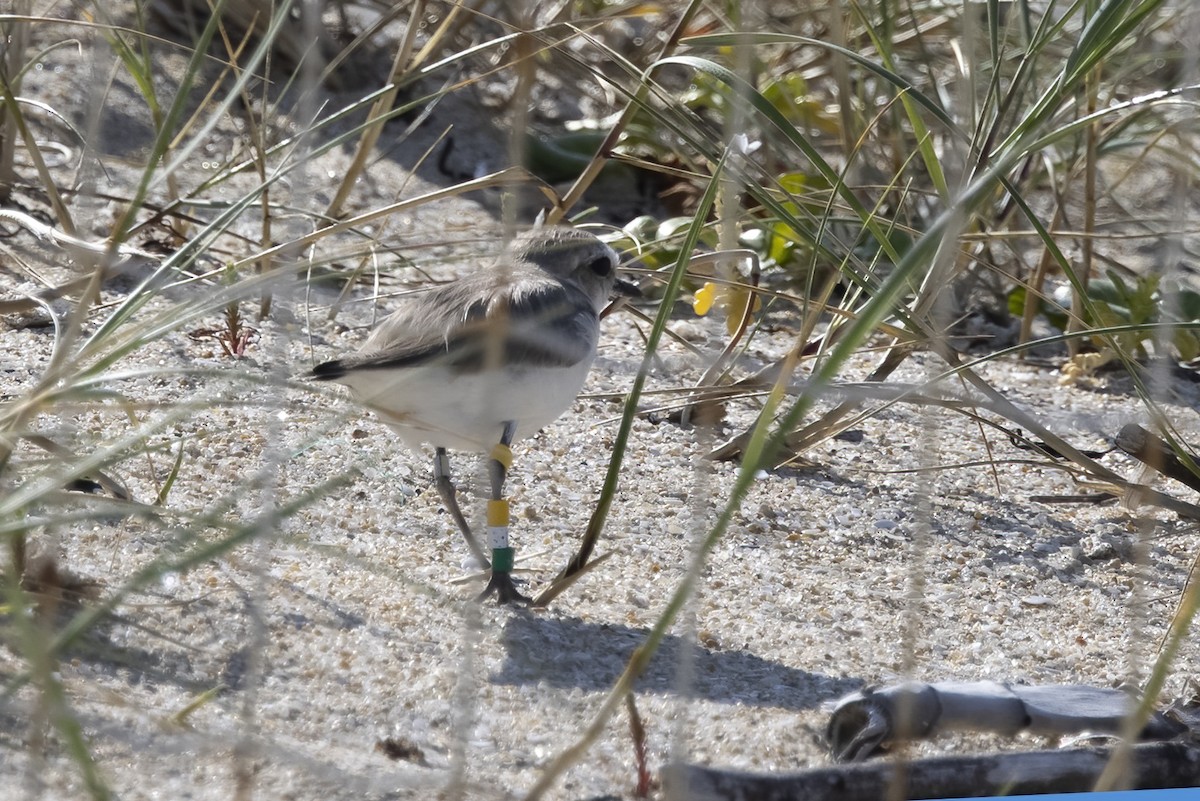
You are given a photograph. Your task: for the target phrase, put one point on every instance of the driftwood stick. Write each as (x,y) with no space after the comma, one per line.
(1154,766)
(870,721)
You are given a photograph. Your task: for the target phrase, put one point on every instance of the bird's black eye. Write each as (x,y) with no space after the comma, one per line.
(602,266)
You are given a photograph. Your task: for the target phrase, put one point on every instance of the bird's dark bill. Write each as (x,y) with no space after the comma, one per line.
(626,289)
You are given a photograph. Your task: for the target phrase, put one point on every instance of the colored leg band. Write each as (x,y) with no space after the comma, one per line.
(502,454)
(497,520)
(497,513)
(502,560)
(498,536)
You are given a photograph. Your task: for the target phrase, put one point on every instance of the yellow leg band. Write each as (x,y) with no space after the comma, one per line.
(502,454)
(497,513)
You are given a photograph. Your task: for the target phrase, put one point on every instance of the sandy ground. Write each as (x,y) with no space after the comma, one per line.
(341,626)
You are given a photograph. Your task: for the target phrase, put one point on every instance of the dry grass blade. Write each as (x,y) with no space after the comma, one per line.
(906,180)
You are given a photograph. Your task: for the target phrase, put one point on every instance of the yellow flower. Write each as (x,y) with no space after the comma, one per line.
(705,296)
(733,300)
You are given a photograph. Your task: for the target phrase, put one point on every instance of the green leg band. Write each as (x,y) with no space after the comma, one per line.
(502,560)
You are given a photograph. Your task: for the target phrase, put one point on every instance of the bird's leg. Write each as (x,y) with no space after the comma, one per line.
(445,488)
(501,583)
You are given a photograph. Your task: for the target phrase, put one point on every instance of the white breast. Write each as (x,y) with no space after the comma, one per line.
(467,411)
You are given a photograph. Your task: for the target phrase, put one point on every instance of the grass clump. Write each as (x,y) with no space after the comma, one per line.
(868,178)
